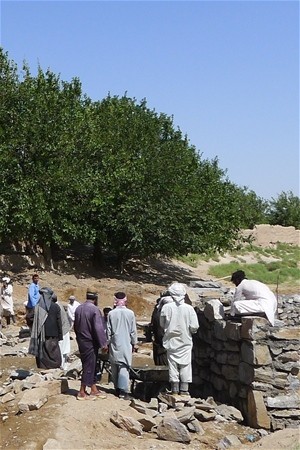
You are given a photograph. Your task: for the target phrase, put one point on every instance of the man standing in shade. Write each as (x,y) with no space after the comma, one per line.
(90,335)
(122,340)
(179,321)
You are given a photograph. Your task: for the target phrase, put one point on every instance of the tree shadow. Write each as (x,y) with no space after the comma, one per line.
(78,261)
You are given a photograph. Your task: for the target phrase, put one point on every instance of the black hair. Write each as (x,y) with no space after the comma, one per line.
(238,276)
(120,295)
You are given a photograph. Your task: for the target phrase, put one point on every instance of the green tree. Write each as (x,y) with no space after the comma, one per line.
(252,208)
(8,117)
(284,210)
(152,193)
(111,173)
(41,190)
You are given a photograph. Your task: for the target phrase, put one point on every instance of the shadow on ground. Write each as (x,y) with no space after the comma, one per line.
(79,263)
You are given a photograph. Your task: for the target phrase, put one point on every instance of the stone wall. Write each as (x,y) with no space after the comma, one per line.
(249,364)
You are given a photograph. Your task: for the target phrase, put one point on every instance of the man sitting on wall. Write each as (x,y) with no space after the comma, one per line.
(252,297)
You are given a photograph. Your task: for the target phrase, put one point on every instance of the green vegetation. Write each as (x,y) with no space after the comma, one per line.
(112,173)
(285,210)
(283,269)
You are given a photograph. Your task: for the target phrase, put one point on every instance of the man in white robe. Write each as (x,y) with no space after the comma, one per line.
(6,299)
(72,306)
(180,322)
(252,297)
(122,340)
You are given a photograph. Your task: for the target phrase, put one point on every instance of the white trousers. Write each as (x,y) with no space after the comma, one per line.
(246,307)
(65,349)
(179,372)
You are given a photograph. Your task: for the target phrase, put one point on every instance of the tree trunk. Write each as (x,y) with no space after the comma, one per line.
(47,253)
(120,262)
(98,260)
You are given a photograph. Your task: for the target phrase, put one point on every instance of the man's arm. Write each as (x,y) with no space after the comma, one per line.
(194,323)
(99,330)
(133,333)
(238,293)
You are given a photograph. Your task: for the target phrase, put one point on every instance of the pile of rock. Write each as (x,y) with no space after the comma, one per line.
(32,390)
(174,418)
(11,342)
(289,309)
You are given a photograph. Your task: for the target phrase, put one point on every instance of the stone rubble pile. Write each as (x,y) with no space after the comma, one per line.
(289,309)
(174,418)
(169,417)
(10,342)
(32,390)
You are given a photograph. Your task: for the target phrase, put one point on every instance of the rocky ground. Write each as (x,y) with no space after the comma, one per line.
(65,423)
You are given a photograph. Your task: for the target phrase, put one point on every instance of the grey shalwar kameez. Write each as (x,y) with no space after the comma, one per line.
(122,336)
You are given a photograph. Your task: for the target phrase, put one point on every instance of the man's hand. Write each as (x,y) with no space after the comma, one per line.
(104,349)
(135,348)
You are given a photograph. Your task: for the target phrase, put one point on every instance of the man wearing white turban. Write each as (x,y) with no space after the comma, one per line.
(6,299)
(179,321)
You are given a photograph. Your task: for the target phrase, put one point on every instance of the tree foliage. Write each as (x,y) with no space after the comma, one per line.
(284,210)
(111,173)
(251,208)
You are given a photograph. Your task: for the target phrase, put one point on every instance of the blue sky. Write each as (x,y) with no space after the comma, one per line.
(227,71)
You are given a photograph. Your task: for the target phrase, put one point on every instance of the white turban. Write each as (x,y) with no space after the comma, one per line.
(6,280)
(177,291)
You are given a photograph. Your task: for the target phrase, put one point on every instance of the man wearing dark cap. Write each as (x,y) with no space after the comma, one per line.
(252,297)
(90,335)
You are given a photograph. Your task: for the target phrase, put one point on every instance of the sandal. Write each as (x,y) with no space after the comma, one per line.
(98,394)
(85,397)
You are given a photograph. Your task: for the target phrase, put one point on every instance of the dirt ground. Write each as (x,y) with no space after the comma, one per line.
(74,425)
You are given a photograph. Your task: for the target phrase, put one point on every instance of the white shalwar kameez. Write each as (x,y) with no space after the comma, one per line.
(7,300)
(71,311)
(179,321)
(122,335)
(65,343)
(252,296)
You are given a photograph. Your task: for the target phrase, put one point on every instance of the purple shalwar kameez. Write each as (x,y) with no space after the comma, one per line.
(90,335)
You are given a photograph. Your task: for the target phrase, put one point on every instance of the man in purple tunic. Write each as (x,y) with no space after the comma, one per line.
(90,335)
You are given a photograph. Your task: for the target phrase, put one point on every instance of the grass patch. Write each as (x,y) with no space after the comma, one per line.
(285,270)
(266,273)
(192,259)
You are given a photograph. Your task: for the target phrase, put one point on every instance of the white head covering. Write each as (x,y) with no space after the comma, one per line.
(177,291)
(6,279)
(163,301)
